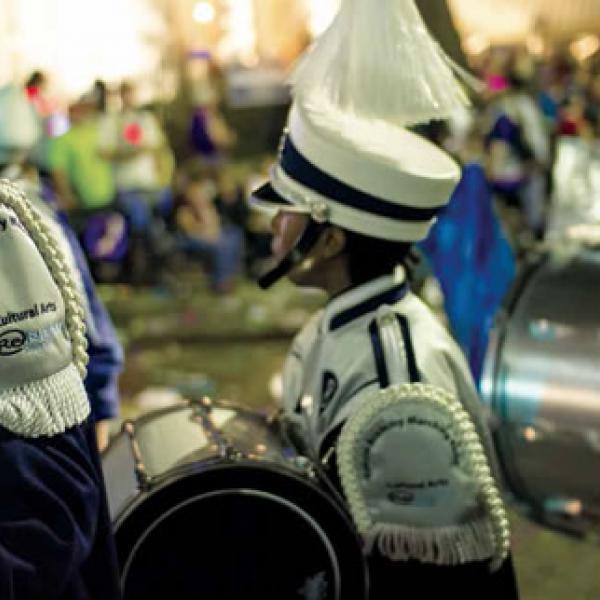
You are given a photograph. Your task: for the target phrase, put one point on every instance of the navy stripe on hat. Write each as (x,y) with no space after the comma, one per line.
(304,172)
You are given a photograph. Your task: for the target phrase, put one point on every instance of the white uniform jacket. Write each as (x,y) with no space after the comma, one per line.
(334,362)
(413,489)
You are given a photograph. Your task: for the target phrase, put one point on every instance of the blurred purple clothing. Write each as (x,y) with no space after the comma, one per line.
(200,137)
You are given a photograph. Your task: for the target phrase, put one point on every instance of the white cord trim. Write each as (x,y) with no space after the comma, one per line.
(400,541)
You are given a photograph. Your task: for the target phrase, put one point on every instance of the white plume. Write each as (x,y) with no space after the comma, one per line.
(378,60)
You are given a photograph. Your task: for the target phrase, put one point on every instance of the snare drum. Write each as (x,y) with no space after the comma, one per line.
(207,503)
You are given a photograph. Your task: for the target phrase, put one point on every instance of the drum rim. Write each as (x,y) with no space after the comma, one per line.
(528,274)
(214,464)
(243,491)
(186,404)
(182,472)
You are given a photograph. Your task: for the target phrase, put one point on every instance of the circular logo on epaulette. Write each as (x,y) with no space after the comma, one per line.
(11,342)
(416,478)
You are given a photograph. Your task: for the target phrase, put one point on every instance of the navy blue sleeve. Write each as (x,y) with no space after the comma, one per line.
(104,349)
(50,502)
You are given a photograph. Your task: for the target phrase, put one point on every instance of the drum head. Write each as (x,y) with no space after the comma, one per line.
(239,530)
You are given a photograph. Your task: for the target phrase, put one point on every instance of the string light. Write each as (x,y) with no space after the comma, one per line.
(204,12)
(239,40)
(476,44)
(585,46)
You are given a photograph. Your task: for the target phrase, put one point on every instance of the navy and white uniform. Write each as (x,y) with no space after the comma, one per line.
(336,363)
(333,364)
(55,532)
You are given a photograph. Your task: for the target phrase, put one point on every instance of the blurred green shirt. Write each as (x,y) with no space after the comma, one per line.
(76,154)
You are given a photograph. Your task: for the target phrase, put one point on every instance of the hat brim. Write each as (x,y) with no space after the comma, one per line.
(266,199)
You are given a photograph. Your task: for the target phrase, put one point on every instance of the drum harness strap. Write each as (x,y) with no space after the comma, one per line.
(300,251)
(325,468)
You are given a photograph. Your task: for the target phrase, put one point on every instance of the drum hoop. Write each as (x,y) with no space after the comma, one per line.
(248,492)
(214,464)
(528,273)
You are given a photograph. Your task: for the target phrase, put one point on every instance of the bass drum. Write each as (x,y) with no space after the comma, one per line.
(542,382)
(207,504)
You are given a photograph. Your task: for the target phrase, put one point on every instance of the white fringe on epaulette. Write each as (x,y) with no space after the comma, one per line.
(45,407)
(451,545)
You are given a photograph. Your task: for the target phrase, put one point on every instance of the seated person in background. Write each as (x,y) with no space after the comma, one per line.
(210,136)
(230,200)
(202,233)
(136,146)
(55,533)
(82,178)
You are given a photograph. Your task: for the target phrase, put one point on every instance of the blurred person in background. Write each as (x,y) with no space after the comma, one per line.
(100,92)
(576,118)
(19,132)
(210,136)
(518,144)
(83,179)
(204,233)
(85,187)
(36,88)
(133,141)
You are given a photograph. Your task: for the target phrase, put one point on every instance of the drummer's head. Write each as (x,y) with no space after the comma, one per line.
(339,259)
(350,195)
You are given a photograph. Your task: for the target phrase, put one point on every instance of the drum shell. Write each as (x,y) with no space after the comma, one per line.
(542,381)
(194,468)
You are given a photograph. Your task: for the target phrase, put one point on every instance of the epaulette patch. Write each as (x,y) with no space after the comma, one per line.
(418,481)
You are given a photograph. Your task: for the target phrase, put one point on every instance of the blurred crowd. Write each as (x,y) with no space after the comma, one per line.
(525,106)
(107,163)
(508,144)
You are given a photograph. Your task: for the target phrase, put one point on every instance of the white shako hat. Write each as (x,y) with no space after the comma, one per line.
(42,334)
(346,157)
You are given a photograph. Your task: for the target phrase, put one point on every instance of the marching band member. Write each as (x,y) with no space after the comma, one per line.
(375,389)
(19,134)
(55,533)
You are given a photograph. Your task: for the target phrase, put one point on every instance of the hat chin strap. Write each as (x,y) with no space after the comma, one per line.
(295,256)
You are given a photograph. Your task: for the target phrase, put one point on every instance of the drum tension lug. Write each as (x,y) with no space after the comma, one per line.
(306,466)
(228,452)
(141,474)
